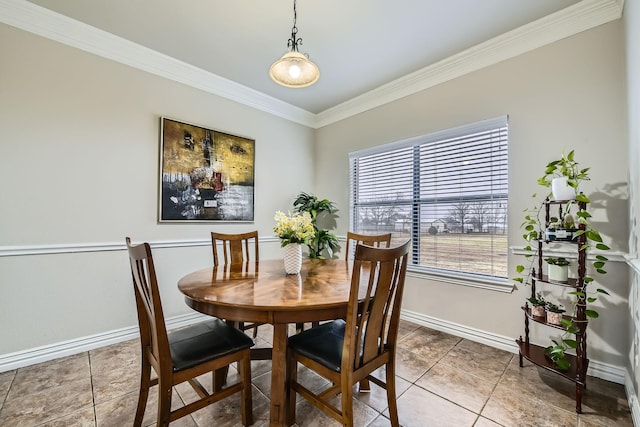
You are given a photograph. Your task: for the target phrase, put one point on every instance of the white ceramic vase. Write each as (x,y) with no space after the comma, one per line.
(561,190)
(292,258)
(558,273)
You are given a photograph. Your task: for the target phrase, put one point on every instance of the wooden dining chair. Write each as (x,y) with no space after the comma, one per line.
(367,239)
(237,249)
(184,354)
(348,351)
(353,239)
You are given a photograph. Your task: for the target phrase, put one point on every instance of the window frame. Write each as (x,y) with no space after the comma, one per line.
(477,280)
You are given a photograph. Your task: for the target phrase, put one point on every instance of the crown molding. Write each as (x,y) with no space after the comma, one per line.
(572,20)
(46,23)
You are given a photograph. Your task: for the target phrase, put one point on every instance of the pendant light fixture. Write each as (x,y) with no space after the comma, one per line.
(294,69)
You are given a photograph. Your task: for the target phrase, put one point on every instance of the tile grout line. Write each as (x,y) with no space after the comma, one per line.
(4,400)
(493,389)
(93,395)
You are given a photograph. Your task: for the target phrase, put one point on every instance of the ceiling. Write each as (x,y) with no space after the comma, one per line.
(359,45)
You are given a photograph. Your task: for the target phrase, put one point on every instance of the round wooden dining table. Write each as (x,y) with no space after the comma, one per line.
(262,292)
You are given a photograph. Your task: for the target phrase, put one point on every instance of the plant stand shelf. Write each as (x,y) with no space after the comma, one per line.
(527,311)
(536,355)
(578,363)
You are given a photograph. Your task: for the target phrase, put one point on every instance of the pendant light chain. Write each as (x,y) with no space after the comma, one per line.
(293,42)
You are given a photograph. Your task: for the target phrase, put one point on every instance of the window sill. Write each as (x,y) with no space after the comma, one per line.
(488,283)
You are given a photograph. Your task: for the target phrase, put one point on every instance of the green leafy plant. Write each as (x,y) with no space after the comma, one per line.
(532,233)
(566,166)
(557,352)
(323,240)
(557,261)
(538,300)
(554,308)
(568,221)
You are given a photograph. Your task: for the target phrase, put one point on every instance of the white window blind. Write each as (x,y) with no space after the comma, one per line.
(446,191)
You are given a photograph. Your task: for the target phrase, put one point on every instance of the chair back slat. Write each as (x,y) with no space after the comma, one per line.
(153,332)
(376,240)
(374,304)
(236,248)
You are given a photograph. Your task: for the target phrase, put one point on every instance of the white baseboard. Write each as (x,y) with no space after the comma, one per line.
(597,369)
(632,398)
(45,353)
(66,348)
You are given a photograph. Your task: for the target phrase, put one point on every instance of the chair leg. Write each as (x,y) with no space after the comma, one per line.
(145,383)
(164,402)
(255,332)
(365,386)
(244,369)
(391,393)
(347,403)
(219,378)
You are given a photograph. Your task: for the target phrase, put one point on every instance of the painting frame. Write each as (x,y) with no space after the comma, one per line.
(205,175)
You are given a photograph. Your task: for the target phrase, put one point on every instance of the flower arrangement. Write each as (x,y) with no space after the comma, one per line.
(296,228)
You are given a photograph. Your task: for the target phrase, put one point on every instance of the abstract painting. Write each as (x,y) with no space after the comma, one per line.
(205,175)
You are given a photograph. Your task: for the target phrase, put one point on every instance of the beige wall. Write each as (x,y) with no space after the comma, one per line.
(78,162)
(632,27)
(79,141)
(570,94)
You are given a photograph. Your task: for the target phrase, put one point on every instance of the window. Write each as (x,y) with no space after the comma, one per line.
(446,191)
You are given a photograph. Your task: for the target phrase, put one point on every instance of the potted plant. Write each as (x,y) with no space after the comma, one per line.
(323,240)
(564,176)
(557,269)
(563,228)
(538,305)
(554,313)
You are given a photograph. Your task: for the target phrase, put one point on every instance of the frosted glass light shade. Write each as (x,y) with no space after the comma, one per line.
(294,70)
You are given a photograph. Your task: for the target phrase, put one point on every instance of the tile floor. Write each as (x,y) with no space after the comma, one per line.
(442,380)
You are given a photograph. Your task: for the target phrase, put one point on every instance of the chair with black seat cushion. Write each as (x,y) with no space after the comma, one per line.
(237,249)
(376,240)
(348,351)
(184,354)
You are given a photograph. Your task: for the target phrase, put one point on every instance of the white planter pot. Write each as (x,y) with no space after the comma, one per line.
(561,190)
(558,273)
(292,258)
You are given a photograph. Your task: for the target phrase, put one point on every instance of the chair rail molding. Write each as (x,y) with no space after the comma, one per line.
(69,248)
